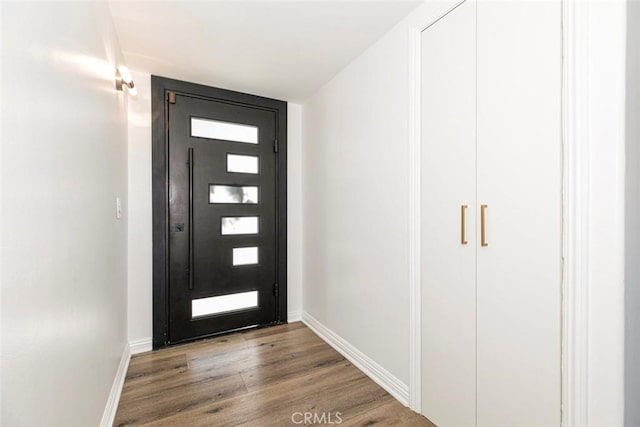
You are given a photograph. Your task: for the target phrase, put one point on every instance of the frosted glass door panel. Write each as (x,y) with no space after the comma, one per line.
(239,225)
(233,194)
(245,256)
(242,164)
(223,304)
(213,129)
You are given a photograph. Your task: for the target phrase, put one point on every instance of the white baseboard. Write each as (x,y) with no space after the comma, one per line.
(372,369)
(141,346)
(133,347)
(110,410)
(294,316)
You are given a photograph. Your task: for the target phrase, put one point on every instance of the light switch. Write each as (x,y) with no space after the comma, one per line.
(118,208)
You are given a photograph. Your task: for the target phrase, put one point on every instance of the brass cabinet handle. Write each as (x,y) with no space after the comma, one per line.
(483,234)
(463,226)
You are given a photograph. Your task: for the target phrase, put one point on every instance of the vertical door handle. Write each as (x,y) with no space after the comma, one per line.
(190,218)
(483,231)
(463,225)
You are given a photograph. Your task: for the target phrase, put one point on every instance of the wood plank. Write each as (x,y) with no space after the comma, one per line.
(389,412)
(274,330)
(178,399)
(154,366)
(291,365)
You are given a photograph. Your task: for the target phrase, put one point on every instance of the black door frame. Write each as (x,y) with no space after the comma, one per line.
(160,89)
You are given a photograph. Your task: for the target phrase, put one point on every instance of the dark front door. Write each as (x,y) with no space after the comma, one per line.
(223,218)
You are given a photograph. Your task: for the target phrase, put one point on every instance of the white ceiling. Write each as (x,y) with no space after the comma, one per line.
(285,50)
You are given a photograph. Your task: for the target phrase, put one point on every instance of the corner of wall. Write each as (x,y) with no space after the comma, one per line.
(113,400)
(294,211)
(632,221)
(1,225)
(139,212)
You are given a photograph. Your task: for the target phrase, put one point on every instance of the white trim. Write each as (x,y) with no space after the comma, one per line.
(415,286)
(109,414)
(294,316)
(141,346)
(575,112)
(369,367)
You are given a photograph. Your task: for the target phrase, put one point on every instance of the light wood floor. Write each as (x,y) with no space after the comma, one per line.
(255,378)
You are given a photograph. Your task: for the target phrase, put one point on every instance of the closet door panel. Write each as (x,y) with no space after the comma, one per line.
(520,181)
(448,181)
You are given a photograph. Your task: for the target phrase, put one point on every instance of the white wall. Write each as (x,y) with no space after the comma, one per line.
(1,180)
(294,211)
(356,198)
(140,239)
(632,273)
(64,161)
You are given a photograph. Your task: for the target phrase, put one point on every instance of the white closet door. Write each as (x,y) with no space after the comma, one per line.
(448,181)
(519,178)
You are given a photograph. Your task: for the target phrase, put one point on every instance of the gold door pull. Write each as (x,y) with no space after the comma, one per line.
(463,226)
(483,234)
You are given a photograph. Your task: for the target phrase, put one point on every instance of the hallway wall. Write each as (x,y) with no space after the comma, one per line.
(356,200)
(140,239)
(632,220)
(64,255)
